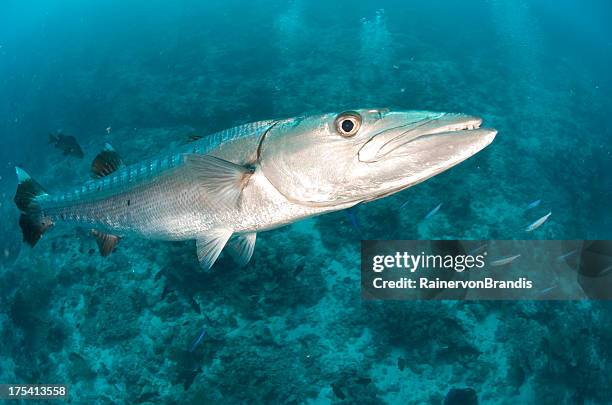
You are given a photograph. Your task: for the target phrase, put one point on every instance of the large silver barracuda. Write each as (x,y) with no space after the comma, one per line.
(224,188)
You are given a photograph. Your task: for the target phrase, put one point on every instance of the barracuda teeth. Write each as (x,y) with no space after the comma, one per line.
(466,126)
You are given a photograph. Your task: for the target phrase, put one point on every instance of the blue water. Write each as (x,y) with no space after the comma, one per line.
(291,328)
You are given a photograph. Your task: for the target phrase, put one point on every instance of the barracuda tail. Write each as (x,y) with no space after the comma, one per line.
(32,222)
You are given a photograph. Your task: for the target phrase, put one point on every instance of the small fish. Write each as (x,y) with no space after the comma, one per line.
(351,213)
(478,249)
(189,377)
(259,380)
(337,391)
(564,256)
(504,260)
(108,130)
(605,271)
(533,204)
(538,223)
(363,380)
(461,396)
(544,291)
(73,356)
(67,144)
(194,137)
(194,304)
(198,339)
(167,290)
(404,204)
(298,269)
(433,212)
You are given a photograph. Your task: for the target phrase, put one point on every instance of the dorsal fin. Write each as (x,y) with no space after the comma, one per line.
(106,162)
(106,242)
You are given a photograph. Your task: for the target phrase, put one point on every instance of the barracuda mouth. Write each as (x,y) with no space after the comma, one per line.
(432,135)
(414,152)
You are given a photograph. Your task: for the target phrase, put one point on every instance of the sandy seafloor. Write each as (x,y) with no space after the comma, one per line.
(292,323)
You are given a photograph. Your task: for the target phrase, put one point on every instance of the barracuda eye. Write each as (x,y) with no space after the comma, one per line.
(348,123)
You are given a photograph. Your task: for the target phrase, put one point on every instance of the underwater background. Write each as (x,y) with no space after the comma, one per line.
(291,327)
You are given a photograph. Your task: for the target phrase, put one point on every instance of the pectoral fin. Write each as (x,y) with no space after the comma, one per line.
(106,242)
(241,248)
(222,180)
(209,246)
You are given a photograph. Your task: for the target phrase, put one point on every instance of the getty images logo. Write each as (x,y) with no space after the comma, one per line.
(412,262)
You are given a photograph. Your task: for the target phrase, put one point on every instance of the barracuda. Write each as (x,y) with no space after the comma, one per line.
(223,189)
